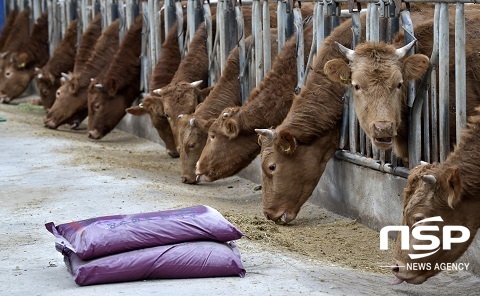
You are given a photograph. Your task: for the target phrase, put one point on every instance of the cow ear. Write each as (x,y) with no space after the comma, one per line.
(452,175)
(136,110)
(286,142)
(73,86)
(111,86)
(21,60)
(338,70)
(415,66)
(230,128)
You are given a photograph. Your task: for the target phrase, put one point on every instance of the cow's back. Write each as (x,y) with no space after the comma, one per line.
(7,28)
(87,43)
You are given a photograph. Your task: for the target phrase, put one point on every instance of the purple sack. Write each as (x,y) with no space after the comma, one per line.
(98,237)
(185,260)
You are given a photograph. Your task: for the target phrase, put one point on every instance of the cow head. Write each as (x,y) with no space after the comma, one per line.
(193,133)
(47,86)
(378,75)
(291,170)
(179,98)
(18,73)
(153,106)
(433,190)
(106,106)
(70,105)
(225,156)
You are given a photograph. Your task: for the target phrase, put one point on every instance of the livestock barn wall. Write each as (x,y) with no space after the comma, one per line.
(360,182)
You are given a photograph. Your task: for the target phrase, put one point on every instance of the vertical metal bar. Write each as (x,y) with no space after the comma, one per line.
(297,13)
(85,10)
(434,85)
(319,20)
(181,36)
(289,29)
(374,24)
(51,27)
(267,57)
(170,14)
(383,21)
(281,23)
(241,52)
(158,32)
(460,72)
(146,65)
(353,122)
(190,20)
(426,127)
(152,30)
(257,21)
(443,62)
(327,12)
(63,18)
(122,25)
(37,10)
(103,12)
(208,28)
(221,33)
(394,22)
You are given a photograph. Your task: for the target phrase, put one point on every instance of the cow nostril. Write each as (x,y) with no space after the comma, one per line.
(395,268)
(184,180)
(266,215)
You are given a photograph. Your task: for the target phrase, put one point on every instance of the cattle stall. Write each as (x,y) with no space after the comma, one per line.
(375,178)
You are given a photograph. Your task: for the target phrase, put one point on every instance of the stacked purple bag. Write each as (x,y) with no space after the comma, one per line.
(185,243)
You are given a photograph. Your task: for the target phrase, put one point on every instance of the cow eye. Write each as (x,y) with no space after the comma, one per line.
(418,217)
(356,87)
(167,116)
(7,74)
(272,167)
(212,136)
(400,85)
(97,106)
(191,145)
(58,93)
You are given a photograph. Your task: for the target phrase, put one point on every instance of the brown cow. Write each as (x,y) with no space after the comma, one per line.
(181,95)
(110,94)
(62,60)
(193,128)
(16,39)
(378,74)
(450,190)
(20,67)
(168,62)
(7,28)
(294,155)
(71,103)
(232,142)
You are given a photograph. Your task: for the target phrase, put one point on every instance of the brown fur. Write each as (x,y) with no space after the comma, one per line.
(311,129)
(121,85)
(167,65)
(71,104)
(62,60)
(7,28)
(454,197)
(266,106)
(20,67)
(193,128)
(86,46)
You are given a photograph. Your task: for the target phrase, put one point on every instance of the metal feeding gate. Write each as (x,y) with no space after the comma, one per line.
(428,101)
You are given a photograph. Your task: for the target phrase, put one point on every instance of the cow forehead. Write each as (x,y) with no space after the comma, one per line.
(385,74)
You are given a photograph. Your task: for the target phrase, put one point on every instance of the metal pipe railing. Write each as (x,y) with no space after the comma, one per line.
(443,82)
(298,22)
(460,75)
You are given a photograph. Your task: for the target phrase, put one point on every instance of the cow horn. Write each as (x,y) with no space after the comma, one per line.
(347,52)
(192,121)
(40,76)
(140,105)
(402,51)
(157,91)
(423,162)
(430,179)
(267,133)
(99,86)
(4,54)
(66,76)
(180,116)
(196,83)
(37,69)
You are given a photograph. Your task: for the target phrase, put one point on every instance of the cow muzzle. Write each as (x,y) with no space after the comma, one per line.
(404,275)
(4,99)
(382,134)
(279,217)
(94,134)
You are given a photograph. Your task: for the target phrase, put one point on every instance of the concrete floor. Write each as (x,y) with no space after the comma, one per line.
(40,183)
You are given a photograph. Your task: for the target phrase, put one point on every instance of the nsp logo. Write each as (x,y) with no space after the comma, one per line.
(417,230)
